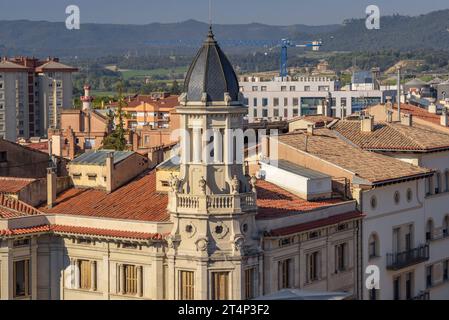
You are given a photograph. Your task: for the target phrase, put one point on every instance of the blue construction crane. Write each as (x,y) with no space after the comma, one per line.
(285,44)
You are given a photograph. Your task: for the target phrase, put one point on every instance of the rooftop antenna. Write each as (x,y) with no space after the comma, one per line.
(210,14)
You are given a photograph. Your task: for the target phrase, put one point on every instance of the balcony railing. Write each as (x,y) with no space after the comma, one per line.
(213,203)
(423,295)
(396,261)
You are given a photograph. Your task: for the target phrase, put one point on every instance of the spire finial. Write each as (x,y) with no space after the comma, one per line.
(210,14)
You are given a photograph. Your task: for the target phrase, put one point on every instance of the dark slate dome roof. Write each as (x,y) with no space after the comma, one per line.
(211,73)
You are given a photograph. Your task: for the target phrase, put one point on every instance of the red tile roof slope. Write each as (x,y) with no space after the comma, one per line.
(13,208)
(13,185)
(275,202)
(137,200)
(41,146)
(315,224)
(418,112)
(64,229)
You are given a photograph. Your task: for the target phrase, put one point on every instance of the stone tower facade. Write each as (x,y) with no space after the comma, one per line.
(214,250)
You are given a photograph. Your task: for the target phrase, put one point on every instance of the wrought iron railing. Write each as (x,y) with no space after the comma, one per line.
(396,261)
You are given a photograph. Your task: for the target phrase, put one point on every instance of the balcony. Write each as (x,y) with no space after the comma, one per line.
(423,295)
(396,261)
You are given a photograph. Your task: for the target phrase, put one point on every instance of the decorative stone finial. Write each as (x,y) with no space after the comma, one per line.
(202,184)
(235,184)
(253,182)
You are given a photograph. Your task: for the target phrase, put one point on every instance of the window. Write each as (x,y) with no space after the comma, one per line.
(429,230)
(263,88)
(397,288)
(3,156)
(85,280)
(292,88)
(264,102)
(276,112)
(373,293)
(428,186)
(409,286)
(312,266)
(187,285)
(255,88)
(255,113)
(130,279)
(341,257)
(284,273)
(285,102)
(165,183)
(438,183)
(264,113)
(22,278)
(275,102)
(446,270)
(283,88)
(397,197)
(21,242)
(220,282)
(306,88)
(255,102)
(409,195)
(429,274)
(373,202)
(295,102)
(250,281)
(446,180)
(446,226)
(373,244)
(295,112)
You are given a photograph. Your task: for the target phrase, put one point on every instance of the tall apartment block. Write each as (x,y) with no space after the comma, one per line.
(32,95)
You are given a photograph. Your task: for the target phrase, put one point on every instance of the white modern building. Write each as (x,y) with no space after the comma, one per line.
(287,98)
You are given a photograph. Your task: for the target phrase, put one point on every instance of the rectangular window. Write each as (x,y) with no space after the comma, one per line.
(255,102)
(295,102)
(250,281)
(255,88)
(275,112)
(187,285)
(283,88)
(429,276)
(255,113)
(446,270)
(409,285)
(263,88)
(285,102)
(284,271)
(312,266)
(130,279)
(85,280)
(295,112)
(275,102)
(264,102)
(292,88)
(265,113)
(397,288)
(306,88)
(340,259)
(3,156)
(22,278)
(285,113)
(220,283)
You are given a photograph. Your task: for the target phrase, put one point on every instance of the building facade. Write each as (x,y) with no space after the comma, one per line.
(33,93)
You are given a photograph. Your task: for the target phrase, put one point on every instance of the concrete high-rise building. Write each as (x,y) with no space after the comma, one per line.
(32,94)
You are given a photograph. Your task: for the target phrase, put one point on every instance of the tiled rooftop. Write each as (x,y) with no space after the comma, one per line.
(13,208)
(13,185)
(138,200)
(393,136)
(98,157)
(275,202)
(369,166)
(315,224)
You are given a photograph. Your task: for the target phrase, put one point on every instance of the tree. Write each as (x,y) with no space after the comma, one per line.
(175,89)
(116,139)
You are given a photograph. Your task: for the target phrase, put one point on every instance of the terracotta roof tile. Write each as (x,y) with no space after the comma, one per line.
(13,185)
(393,136)
(13,208)
(315,224)
(372,167)
(65,229)
(275,202)
(138,200)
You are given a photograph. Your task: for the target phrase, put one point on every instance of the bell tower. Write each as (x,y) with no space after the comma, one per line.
(213,203)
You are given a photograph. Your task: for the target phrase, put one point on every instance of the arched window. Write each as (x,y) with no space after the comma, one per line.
(429,230)
(373,246)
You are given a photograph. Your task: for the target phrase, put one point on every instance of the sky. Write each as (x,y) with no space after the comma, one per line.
(274,12)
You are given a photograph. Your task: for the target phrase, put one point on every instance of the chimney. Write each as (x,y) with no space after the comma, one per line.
(389,116)
(407,120)
(444,118)
(109,172)
(367,124)
(432,108)
(51,187)
(310,129)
